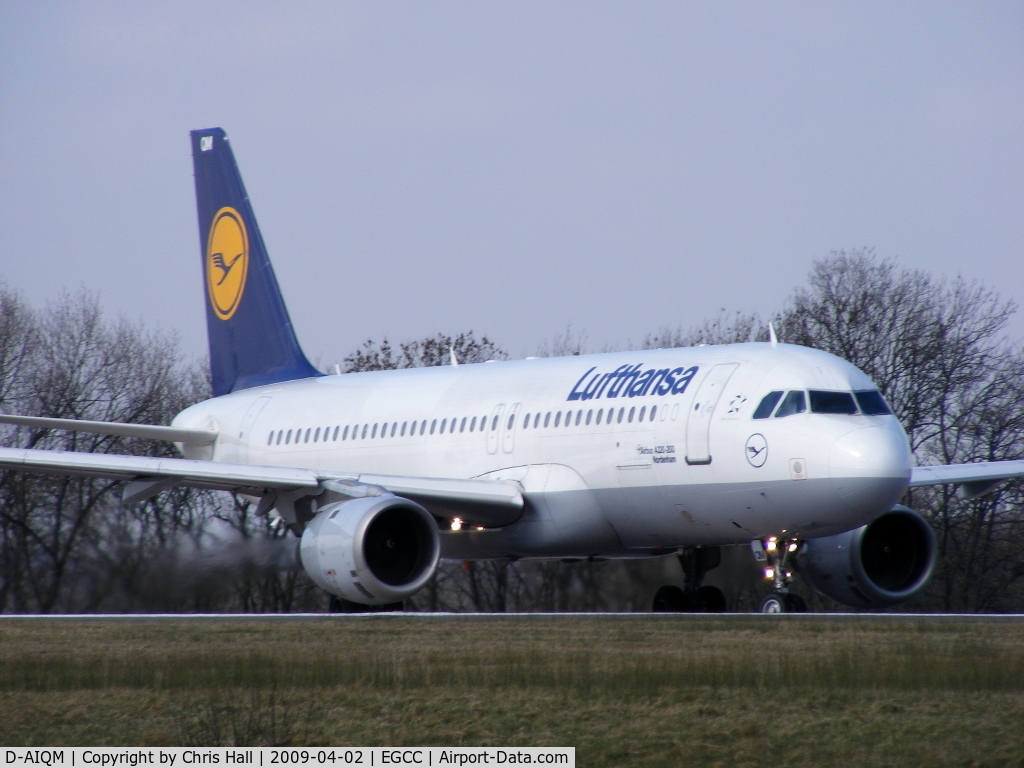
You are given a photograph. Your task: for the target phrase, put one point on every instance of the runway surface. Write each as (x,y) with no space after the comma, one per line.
(416,616)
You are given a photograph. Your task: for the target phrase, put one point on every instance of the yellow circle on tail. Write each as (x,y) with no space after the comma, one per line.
(227,262)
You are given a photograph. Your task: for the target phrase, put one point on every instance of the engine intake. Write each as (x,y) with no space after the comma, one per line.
(881,564)
(374,550)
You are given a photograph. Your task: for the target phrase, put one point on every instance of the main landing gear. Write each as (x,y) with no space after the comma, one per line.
(692,598)
(773,552)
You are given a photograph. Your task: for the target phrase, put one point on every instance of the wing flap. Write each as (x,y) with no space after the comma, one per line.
(489,503)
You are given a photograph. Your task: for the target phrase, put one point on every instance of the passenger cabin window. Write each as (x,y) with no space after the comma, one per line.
(472,425)
(795,402)
(767,405)
(654,410)
(871,403)
(832,402)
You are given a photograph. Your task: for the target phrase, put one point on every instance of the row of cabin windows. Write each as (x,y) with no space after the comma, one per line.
(580,417)
(364,431)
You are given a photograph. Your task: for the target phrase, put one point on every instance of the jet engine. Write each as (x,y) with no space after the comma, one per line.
(372,550)
(883,563)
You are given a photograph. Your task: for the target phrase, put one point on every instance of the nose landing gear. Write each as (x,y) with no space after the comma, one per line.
(773,552)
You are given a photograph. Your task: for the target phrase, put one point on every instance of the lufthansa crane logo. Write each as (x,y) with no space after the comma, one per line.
(757,450)
(227,262)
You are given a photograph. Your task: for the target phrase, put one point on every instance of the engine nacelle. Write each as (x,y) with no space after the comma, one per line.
(374,550)
(883,563)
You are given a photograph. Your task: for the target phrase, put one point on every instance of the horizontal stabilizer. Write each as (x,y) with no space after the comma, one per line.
(143,431)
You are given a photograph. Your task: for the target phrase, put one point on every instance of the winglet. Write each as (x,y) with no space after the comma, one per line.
(771,335)
(455,362)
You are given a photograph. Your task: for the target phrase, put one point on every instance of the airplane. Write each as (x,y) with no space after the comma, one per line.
(790,451)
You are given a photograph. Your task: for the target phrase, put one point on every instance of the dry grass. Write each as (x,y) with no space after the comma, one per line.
(658,692)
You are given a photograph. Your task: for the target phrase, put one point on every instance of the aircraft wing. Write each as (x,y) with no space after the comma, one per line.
(146,431)
(481,502)
(974,479)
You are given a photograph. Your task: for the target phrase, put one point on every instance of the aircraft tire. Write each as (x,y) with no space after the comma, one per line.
(669,599)
(712,599)
(775,602)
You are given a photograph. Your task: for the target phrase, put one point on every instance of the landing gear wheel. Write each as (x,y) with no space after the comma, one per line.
(712,599)
(669,599)
(775,602)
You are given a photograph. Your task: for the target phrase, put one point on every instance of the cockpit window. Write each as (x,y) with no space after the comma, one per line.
(871,403)
(767,405)
(832,402)
(795,402)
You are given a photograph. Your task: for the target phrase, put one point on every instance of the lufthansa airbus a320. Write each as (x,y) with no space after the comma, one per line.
(790,451)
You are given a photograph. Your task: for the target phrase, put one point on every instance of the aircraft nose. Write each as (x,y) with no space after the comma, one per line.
(877,451)
(870,470)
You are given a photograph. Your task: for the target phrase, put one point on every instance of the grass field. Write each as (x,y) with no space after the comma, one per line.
(685,691)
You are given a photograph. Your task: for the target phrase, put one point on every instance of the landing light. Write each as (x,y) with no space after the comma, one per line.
(768,573)
(770,546)
(457,524)
(793,546)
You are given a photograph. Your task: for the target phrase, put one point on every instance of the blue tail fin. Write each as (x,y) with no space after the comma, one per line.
(251,337)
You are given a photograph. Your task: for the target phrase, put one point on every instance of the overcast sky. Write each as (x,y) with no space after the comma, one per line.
(509,167)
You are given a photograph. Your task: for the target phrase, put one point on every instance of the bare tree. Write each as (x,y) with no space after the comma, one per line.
(78,366)
(423,353)
(937,350)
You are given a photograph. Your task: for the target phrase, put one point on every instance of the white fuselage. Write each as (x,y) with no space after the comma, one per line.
(617,454)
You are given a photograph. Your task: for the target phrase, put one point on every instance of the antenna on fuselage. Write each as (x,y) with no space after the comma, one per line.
(771,335)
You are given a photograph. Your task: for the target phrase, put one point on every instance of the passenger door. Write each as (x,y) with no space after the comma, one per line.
(245,435)
(698,423)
